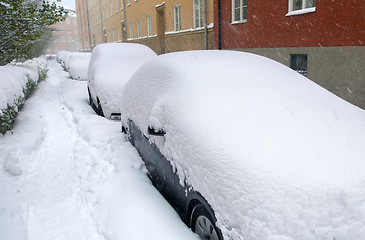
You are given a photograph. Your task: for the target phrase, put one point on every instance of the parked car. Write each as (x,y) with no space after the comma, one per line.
(111,66)
(245,148)
(78,64)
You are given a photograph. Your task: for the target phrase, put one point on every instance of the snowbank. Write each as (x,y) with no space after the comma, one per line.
(274,154)
(111,66)
(17,82)
(66,173)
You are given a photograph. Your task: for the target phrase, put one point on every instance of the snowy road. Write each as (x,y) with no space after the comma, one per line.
(66,173)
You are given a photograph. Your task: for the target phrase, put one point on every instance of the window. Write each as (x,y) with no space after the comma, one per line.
(177,18)
(130,30)
(149,25)
(138,28)
(295,5)
(298,62)
(128,2)
(239,10)
(111,9)
(198,14)
(116,6)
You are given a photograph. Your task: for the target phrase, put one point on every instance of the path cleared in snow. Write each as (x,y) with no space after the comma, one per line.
(66,173)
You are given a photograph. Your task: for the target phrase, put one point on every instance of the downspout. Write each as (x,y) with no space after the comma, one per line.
(206,26)
(88,23)
(125,22)
(219,25)
(81,32)
(101,23)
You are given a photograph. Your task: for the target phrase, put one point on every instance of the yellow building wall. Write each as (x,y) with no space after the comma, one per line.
(110,29)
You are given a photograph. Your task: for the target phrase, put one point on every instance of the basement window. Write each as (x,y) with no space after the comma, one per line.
(298,62)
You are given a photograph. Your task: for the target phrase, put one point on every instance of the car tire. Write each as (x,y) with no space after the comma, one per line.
(203,224)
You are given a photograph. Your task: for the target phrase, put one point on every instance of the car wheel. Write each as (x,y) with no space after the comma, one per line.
(100,109)
(203,224)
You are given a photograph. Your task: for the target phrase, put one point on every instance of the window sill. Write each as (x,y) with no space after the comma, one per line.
(128,4)
(239,22)
(301,11)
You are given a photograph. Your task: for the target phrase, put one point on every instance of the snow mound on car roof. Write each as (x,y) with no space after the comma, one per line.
(112,65)
(274,154)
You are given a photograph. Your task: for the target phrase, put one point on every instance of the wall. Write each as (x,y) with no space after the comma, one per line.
(335,23)
(338,69)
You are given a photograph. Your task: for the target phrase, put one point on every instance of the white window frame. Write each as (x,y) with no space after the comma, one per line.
(241,19)
(149,25)
(177,18)
(138,28)
(116,6)
(198,8)
(304,9)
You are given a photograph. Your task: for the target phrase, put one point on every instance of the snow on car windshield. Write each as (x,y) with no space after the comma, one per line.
(249,131)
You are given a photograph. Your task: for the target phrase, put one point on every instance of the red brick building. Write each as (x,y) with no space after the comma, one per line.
(323,39)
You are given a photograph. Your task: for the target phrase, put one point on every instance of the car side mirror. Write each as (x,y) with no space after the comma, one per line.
(155,132)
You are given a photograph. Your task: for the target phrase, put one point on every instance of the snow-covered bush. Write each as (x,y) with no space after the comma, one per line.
(17,82)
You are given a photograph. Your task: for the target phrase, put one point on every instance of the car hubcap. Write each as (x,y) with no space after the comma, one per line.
(205,229)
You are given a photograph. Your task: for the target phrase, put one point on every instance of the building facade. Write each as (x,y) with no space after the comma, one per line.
(323,40)
(170,26)
(65,37)
(83,24)
(105,21)
(163,26)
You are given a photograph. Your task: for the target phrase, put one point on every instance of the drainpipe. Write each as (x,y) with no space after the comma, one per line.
(219,25)
(206,26)
(125,22)
(101,23)
(81,32)
(88,23)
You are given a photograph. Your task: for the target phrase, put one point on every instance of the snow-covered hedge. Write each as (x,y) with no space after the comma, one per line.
(17,83)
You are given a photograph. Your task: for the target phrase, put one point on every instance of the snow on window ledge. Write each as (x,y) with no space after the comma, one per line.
(238,22)
(301,11)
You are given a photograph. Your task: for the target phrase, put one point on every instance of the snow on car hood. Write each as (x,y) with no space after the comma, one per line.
(275,155)
(111,66)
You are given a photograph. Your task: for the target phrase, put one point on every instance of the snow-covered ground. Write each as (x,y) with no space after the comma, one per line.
(66,173)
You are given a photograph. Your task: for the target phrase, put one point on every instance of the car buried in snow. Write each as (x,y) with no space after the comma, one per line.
(245,148)
(111,66)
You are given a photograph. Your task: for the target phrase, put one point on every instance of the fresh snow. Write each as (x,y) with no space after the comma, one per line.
(66,173)
(75,63)
(301,11)
(13,79)
(111,66)
(275,155)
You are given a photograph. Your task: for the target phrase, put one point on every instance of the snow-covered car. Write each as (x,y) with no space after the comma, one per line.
(245,148)
(78,65)
(111,66)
